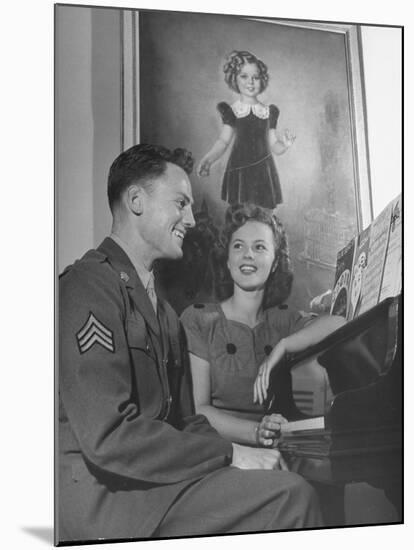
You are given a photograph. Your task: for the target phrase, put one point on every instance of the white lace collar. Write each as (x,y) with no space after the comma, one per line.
(242,110)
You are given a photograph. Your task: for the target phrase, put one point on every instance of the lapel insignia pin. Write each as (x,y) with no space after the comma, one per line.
(124,276)
(94,332)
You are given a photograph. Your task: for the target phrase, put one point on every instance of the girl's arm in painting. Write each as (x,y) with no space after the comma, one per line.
(216,151)
(280,143)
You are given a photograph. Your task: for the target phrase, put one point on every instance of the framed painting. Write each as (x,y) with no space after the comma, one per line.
(315,80)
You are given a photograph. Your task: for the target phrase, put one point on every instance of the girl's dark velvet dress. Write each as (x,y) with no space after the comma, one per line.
(251,174)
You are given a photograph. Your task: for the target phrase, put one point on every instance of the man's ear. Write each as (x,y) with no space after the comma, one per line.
(134,199)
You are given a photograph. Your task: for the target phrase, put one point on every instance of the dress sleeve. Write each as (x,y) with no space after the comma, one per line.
(301,319)
(286,321)
(196,330)
(273,116)
(226,112)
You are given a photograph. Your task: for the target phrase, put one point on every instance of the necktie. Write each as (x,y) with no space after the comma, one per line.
(151,292)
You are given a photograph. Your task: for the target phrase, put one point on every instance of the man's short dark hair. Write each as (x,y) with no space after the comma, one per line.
(142,163)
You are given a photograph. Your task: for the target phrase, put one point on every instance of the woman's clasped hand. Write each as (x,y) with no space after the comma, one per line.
(268,430)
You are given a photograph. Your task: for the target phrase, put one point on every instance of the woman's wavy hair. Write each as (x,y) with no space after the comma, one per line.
(279,283)
(234,63)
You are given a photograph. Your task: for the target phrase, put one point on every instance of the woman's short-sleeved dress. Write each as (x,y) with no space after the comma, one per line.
(251,174)
(235,351)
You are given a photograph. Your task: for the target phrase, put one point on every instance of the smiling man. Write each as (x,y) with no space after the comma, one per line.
(134,461)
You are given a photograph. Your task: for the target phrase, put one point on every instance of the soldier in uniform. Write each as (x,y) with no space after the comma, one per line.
(134,461)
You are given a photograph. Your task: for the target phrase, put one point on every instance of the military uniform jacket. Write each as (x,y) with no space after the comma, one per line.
(129,442)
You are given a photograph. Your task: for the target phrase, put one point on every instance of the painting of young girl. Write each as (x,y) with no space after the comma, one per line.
(249,127)
(228,95)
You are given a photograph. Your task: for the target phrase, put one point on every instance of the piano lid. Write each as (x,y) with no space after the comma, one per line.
(363,350)
(363,363)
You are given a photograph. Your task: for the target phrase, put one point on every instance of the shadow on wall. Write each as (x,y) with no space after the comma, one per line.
(44,534)
(193,278)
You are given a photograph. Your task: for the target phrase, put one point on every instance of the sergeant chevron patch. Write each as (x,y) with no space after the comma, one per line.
(94,332)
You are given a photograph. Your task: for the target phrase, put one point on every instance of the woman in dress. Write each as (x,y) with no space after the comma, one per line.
(251,174)
(249,331)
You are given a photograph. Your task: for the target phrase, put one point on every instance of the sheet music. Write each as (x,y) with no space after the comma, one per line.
(358,273)
(380,228)
(314,423)
(391,279)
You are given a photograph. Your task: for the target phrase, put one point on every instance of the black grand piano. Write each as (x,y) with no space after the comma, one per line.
(362,435)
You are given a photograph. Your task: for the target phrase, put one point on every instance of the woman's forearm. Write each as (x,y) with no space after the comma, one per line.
(313,333)
(298,341)
(230,427)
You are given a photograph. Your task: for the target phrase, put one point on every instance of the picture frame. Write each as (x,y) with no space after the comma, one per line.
(329,130)
(313,271)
